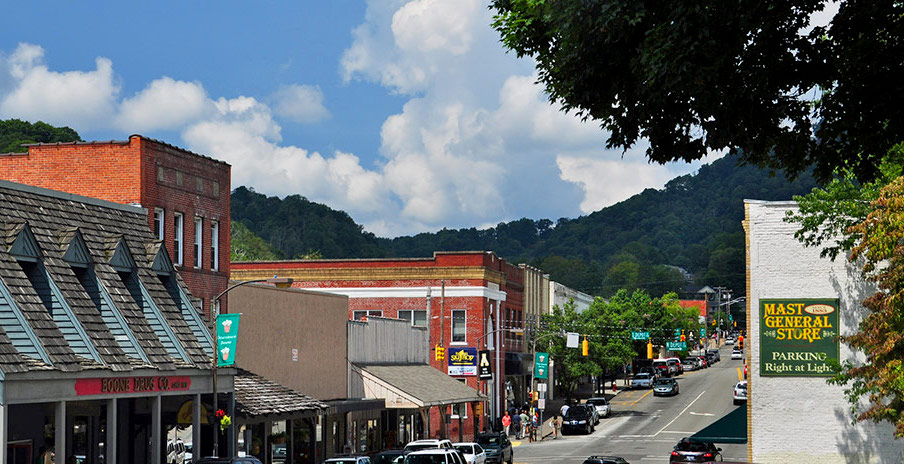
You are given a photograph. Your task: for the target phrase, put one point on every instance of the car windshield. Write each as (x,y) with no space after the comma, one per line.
(420,446)
(339,461)
(467,449)
(489,441)
(694,447)
(742,385)
(387,458)
(663,382)
(425,459)
(597,401)
(642,376)
(576,412)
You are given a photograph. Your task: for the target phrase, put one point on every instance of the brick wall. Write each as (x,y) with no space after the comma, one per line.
(803,419)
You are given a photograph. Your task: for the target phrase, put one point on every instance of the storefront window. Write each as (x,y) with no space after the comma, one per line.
(278,442)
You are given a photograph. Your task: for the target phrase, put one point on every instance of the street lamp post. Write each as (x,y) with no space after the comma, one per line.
(277,281)
(496,347)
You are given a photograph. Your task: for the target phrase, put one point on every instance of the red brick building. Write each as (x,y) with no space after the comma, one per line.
(186,195)
(462,297)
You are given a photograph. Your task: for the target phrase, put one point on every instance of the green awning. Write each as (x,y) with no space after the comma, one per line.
(731,428)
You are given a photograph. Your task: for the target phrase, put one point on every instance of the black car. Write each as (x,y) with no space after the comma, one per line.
(497,446)
(236,460)
(665,387)
(688,451)
(578,418)
(605,460)
(388,456)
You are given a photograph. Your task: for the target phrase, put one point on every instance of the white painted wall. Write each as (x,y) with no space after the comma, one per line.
(560,294)
(800,419)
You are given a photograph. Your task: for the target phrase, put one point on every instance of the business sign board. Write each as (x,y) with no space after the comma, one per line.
(798,337)
(541,365)
(676,346)
(227,338)
(640,335)
(484,370)
(462,360)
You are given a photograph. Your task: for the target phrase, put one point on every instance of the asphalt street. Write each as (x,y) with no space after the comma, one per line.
(643,428)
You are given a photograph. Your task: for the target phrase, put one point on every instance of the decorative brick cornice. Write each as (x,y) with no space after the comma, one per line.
(371,273)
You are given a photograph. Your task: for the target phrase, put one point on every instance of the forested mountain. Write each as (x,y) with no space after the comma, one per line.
(648,241)
(15,132)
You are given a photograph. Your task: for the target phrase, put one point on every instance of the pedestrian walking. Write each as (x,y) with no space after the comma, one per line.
(516,424)
(534,426)
(556,425)
(525,423)
(506,423)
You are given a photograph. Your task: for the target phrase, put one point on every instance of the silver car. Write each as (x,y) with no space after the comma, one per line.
(642,380)
(602,406)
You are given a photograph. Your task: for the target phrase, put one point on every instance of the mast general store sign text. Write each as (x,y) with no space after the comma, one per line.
(798,337)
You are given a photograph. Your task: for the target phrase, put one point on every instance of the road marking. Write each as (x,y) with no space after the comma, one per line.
(682,412)
(642,397)
(740,375)
(516,443)
(702,414)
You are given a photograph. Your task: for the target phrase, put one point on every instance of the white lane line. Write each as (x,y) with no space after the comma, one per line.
(682,412)
(701,413)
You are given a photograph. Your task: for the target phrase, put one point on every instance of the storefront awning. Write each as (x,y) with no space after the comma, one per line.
(414,386)
(731,428)
(258,399)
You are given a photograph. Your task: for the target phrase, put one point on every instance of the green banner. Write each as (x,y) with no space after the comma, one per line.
(703,332)
(676,346)
(640,335)
(227,338)
(541,365)
(798,337)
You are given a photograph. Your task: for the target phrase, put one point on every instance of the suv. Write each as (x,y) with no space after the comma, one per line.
(677,363)
(602,406)
(737,354)
(578,418)
(435,456)
(715,353)
(662,367)
(688,451)
(347,460)
(740,392)
(418,445)
(497,446)
(642,380)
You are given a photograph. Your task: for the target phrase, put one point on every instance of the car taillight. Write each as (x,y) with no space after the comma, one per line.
(708,455)
(675,453)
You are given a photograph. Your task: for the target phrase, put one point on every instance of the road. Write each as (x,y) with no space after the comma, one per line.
(643,428)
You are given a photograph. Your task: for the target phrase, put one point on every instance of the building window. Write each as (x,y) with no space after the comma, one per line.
(198,237)
(160,174)
(199,184)
(215,186)
(179,178)
(459,327)
(158,223)
(216,308)
(177,238)
(359,315)
(215,245)
(417,318)
(460,410)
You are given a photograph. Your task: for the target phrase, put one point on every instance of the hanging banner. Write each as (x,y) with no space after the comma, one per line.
(462,361)
(484,371)
(541,365)
(227,338)
(798,337)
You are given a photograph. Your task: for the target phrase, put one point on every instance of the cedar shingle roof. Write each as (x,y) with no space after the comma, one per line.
(256,396)
(54,218)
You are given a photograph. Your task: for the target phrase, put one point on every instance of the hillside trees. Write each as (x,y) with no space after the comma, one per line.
(15,132)
(693,76)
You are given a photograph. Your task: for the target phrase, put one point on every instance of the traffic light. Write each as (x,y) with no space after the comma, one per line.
(683,337)
(440,353)
(585,347)
(650,350)
(534,395)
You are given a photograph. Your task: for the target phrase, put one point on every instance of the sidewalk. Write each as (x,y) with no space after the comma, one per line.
(553,408)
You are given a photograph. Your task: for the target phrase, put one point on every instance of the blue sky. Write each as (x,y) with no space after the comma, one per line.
(407,114)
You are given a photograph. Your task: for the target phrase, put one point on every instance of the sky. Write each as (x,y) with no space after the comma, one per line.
(407,114)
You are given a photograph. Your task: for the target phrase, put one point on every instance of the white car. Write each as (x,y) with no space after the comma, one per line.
(435,456)
(729,341)
(602,406)
(474,453)
(737,354)
(348,460)
(739,395)
(642,380)
(418,445)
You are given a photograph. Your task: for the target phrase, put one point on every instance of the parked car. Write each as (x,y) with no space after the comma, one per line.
(236,460)
(474,453)
(602,406)
(704,360)
(710,359)
(740,392)
(642,380)
(672,366)
(716,354)
(435,456)
(737,354)
(689,364)
(687,451)
(418,445)
(662,367)
(348,460)
(497,446)
(578,419)
(665,387)
(729,340)
(605,460)
(594,414)
(389,457)
(673,361)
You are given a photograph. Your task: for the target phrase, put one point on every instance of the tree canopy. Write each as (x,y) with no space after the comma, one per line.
(694,76)
(14,133)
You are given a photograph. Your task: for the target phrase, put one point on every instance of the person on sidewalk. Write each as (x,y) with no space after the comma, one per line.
(556,425)
(506,423)
(525,423)
(516,424)
(534,426)
(565,408)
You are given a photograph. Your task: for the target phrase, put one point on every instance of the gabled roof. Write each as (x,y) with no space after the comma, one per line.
(24,246)
(257,398)
(75,252)
(160,260)
(122,259)
(416,384)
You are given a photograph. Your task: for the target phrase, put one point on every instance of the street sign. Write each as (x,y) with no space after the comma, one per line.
(677,332)
(541,365)
(484,371)
(702,332)
(640,335)
(541,386)
(572,340)
(676,346)
(227,338)
(541,404)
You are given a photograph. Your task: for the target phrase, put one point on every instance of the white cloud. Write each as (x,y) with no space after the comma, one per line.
(164,104)
(74,98)
(300,103)
(621,179)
